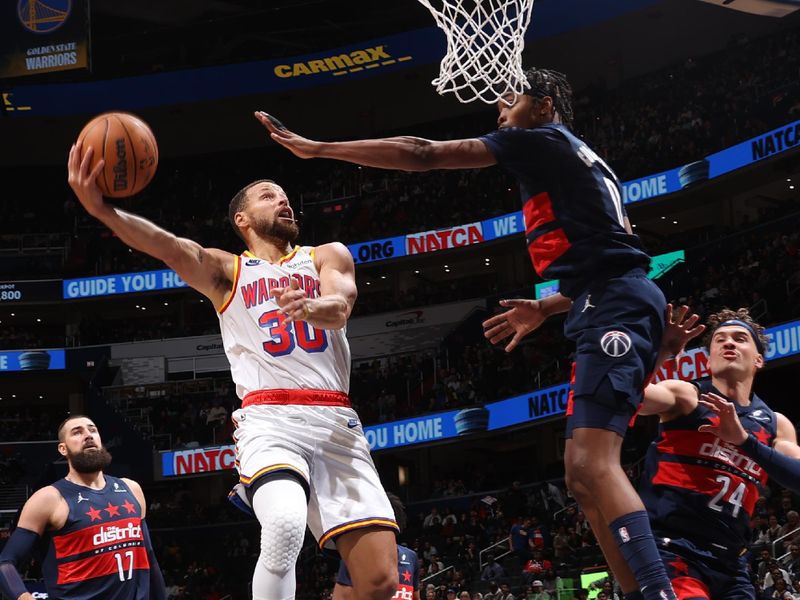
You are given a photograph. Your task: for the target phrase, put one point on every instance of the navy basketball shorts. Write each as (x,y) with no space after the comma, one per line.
(617,324)
(697,574)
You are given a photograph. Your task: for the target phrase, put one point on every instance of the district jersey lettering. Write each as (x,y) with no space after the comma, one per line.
(571,203)
(100,551)
(700,488)
(264,351)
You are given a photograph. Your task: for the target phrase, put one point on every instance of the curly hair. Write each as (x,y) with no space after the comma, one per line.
(546,82)
(726,314)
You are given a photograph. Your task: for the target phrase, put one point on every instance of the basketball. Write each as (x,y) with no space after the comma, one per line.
(129,148)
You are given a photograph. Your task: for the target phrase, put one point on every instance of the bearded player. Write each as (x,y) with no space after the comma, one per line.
(301,452)
(718,443)
(92,525)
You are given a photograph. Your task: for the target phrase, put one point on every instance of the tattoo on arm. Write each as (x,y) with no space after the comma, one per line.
(200,255)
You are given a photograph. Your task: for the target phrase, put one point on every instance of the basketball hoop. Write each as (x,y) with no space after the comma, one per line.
(485,39)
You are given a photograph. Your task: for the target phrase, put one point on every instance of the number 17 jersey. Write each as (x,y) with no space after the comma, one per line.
(264,351)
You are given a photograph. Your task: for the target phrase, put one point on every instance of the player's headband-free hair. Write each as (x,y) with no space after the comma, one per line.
(750,329)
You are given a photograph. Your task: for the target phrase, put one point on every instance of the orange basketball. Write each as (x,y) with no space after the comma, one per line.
(129,148)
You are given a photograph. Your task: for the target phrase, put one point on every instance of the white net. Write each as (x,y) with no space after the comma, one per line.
(485,39)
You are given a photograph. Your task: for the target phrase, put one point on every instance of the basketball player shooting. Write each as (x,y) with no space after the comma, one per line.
(578,232)
(302,455)
(93,528)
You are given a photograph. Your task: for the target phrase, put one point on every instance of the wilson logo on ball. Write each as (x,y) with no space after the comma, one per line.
(615,343)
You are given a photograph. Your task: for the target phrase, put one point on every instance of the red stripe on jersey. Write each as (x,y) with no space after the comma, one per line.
(571,395)
(547,248)
(707,446)
(117,563)
(538,211)
(689,588)
(97,536)
(706,481)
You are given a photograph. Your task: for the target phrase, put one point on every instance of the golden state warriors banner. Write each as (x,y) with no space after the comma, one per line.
(42,36)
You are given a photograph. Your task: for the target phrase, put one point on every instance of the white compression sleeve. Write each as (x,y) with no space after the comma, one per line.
(281,509)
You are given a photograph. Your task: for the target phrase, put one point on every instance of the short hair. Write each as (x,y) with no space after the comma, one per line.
(742,314)
(546,82)
(60,430)
(399,511)
(238,203)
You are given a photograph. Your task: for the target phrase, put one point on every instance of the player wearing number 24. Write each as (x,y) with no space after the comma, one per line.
(718,443)
(299,445)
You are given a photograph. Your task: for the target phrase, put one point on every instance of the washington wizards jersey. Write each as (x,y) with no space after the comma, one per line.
(100,551)
(266,352)
(571,203)
(406,568)
(697,487)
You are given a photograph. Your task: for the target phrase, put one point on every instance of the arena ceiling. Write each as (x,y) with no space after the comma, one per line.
(154,36)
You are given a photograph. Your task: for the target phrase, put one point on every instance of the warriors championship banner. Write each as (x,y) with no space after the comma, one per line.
(42,36)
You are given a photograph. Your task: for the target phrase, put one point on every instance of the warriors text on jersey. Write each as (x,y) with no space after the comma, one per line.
(572,205)
(697,487)
(264,351)
(100,551)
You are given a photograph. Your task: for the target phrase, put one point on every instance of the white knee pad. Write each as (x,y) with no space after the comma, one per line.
(281,509)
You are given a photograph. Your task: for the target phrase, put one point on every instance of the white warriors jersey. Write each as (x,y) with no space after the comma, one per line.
(264,351)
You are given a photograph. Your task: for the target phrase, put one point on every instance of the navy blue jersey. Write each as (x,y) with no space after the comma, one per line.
(572,205)
(697,487)
(406,567)
(100,551)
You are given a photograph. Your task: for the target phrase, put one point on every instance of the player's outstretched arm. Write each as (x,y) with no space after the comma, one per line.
(781,461)
(523,317)
(208,270)
(337,279)
(33,521)
(406,153)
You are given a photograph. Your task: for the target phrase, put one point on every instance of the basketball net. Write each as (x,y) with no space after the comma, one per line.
(485,39)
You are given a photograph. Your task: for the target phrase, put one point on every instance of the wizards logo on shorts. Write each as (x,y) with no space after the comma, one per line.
(615,343)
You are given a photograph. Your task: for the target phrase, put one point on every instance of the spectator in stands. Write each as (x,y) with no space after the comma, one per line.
(505,592)
(493,569)
(790,529)
(493,593)
(536,567)
(433,519)
(774,573)
(536,591)
(519,540)
(791,562)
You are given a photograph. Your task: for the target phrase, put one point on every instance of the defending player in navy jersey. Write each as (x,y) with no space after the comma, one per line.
(577,230)
(718,442)
(92,526)
(407,566)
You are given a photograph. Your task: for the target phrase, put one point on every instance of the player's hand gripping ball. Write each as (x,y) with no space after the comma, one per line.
(129,149)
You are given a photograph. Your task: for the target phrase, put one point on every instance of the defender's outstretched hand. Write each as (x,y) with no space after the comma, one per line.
(292,301)
(296,144)
(730,428)
(679,329)
(84,182)
(522,317)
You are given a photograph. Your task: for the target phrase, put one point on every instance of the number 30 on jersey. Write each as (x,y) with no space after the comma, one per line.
(285,336)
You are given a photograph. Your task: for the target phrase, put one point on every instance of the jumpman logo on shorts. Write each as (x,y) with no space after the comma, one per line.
(588,304)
